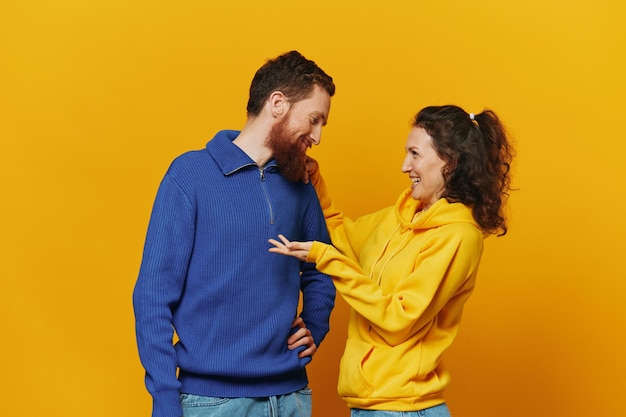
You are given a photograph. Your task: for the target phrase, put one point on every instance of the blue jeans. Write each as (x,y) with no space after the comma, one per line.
(297,404)
(436,411)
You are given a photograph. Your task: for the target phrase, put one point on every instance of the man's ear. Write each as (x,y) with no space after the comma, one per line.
(278,103)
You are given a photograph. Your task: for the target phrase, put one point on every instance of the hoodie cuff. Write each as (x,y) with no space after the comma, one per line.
(316,252)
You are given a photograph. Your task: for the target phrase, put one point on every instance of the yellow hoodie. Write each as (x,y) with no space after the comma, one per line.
(406,277)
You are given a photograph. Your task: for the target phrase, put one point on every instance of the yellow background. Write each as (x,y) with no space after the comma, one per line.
(97,97)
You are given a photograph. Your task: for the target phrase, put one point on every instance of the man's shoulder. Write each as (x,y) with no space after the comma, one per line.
(190,158)
(187,167)
(222,139)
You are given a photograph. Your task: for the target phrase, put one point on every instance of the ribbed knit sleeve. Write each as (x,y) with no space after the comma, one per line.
(318,291)
(168,246)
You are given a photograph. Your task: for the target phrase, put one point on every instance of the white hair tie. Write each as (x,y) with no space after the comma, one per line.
(471,115)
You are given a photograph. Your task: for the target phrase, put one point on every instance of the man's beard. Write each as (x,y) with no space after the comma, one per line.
(289,153)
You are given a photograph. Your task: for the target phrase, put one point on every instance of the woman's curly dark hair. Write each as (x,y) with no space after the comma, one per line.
(478,158)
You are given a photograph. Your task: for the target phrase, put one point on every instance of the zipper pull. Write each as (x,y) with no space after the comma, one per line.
(262,173)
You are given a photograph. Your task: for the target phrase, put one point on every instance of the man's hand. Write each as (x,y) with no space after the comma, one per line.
(302,337)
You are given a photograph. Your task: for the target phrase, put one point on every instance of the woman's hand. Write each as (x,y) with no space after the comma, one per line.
(311,168)
(298,250)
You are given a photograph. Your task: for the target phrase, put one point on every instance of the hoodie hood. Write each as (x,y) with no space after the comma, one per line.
(439,214)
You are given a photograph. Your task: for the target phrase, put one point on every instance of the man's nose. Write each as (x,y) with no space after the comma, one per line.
(316,135)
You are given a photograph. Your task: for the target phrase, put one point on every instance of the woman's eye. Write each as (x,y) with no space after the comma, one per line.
(314,120)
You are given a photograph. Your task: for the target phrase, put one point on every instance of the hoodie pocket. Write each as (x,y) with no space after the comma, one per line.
(352,380)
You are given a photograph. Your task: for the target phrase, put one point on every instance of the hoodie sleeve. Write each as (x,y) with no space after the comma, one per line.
(347,235)
(441,281)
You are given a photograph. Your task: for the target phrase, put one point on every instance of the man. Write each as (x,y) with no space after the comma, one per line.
(206,271)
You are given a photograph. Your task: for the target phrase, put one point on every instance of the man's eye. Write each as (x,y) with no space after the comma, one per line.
(314,120)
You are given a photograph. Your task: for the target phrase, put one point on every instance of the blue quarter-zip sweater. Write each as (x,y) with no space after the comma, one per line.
(207,274)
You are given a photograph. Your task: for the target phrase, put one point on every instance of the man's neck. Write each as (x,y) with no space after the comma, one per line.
(252,140)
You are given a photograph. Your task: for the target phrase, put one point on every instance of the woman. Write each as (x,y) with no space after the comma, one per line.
(407,270)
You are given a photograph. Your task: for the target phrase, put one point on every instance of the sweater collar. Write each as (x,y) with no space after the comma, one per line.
(228,156)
